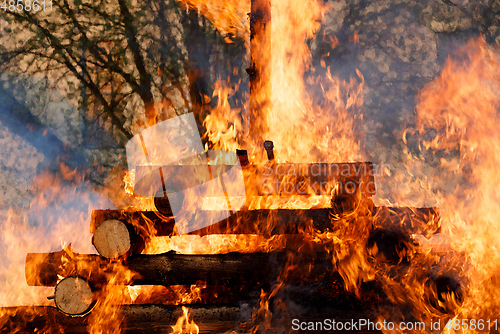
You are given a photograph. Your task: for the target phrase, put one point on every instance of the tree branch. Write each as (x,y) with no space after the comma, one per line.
(144,90)
(67,59)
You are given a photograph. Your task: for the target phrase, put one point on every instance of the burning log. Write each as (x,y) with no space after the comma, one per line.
(218,318)
(265,221)
(168,202)
(389,241)
(113,238)
(120,239)
(270,222)
(145,221)
(42,269)
(391,246)
(73,296)
(444,293)
(424,221)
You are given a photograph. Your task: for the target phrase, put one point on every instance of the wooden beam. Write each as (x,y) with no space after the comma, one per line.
(42,269)
(425,221)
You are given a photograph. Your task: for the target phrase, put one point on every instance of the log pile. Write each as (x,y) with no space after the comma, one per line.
(120,236)
(123,233)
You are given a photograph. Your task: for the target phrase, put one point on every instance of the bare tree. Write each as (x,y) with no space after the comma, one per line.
(104,54)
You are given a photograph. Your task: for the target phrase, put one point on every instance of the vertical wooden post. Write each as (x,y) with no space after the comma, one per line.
(259,71)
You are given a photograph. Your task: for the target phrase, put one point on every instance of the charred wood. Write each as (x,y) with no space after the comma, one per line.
(389,245)
(269,147)
(42,269)
(425,221)
(214,319)
(136,319)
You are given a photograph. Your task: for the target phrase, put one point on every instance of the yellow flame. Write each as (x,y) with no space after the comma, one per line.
(184,326)
(229,16)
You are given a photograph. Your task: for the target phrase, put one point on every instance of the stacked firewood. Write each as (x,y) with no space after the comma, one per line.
(120,237)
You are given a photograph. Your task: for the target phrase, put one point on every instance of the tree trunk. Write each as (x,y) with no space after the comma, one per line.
(259,71)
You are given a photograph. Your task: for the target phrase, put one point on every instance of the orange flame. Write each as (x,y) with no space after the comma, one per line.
(457,170)
(295,120)
(184,326)
(461,108)
(229,17)
(296,123)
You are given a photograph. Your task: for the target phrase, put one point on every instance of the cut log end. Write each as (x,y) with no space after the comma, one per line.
(389,246)
(112,239)
(73,296)
(168,203)
(444,293)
